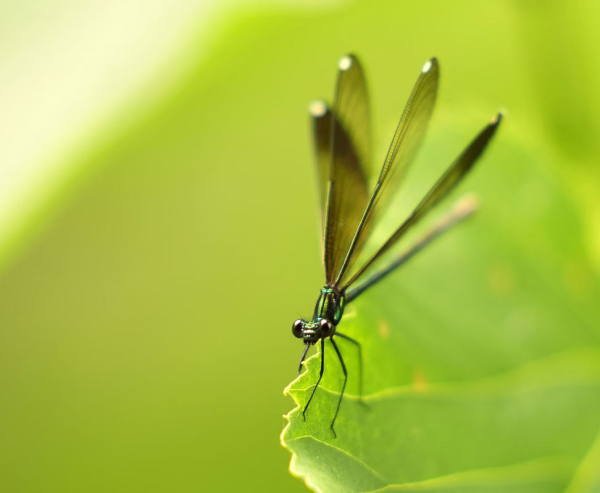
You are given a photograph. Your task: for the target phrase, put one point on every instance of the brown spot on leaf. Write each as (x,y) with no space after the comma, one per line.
(419,381)
(384,329)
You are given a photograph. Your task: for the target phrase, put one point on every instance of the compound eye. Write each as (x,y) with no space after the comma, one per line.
(297,328)
(326,327)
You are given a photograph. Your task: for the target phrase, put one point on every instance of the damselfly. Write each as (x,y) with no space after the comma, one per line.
(342,139)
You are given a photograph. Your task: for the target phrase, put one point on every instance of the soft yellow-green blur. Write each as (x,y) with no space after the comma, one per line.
(160,234)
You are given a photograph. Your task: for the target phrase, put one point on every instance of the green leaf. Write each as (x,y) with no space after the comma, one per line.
(482,357)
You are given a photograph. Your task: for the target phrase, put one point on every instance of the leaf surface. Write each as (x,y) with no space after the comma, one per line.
(482,356)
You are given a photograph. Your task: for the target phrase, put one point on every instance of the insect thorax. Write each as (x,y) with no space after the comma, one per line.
(330,305)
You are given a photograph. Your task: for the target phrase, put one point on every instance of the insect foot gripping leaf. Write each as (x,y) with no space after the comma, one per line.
(481,357)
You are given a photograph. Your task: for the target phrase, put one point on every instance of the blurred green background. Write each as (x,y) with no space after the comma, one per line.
(158,232)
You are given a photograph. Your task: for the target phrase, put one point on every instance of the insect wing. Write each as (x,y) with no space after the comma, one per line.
(453,175)
(348,189)
(407,139)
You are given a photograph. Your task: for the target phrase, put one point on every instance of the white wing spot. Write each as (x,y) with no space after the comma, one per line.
(496,117)
(427,67)
(465,205)
(345,63)
(317,108)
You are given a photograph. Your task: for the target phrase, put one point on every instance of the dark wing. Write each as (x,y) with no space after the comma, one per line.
(322,121)
(407,139)
(352,107)
(347,189)
(453,175)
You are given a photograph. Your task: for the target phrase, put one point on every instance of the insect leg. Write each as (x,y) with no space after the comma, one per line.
(360,364)
(303,356)
(319,380)
(343,386)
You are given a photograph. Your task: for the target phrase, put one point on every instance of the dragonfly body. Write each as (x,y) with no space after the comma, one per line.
(328,313)
(342,143)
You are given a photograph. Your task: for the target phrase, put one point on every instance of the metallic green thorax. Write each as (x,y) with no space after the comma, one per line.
(330,306)
(328,313)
